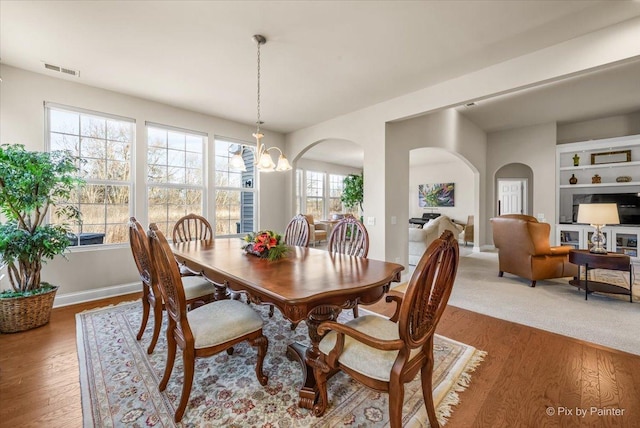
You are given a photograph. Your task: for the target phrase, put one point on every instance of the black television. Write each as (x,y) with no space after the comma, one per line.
(628,205)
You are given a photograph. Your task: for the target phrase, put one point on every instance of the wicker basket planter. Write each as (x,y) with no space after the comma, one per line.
(24,313)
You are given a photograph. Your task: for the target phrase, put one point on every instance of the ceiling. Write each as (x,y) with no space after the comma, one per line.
(322,59)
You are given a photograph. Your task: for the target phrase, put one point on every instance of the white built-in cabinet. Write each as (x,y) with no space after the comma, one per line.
(608,159)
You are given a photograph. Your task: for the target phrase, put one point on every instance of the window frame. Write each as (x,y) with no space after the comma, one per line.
(203,187)
(130,183)
(255,189)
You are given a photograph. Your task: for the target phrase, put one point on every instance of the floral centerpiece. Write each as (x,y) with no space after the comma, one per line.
(266,244)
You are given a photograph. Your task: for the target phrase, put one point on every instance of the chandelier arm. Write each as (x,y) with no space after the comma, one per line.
(274,148)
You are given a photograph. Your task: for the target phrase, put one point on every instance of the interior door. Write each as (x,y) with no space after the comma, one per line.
(511,196)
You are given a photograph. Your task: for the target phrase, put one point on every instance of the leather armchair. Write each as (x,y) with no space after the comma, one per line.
(318,230)
(524,250)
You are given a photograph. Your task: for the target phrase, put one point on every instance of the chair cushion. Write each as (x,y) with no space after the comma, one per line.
(222,321)
(362,358)
(196,286)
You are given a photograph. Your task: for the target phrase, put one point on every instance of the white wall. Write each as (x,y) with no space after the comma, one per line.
(444,130)
(534,146)
(450,172)
(22,95)
(606,127)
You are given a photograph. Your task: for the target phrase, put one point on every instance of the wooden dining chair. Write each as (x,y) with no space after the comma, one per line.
(384,354)
(297,232)
(197,289)
(191,227)
(349,236)
(202,332)
(194,227)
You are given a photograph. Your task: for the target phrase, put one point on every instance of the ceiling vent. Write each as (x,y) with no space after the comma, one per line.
(470,105)
(58,69)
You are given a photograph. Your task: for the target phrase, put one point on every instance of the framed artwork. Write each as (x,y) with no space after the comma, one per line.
(436,195)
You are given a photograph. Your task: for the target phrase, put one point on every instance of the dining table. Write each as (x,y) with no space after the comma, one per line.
(307,284)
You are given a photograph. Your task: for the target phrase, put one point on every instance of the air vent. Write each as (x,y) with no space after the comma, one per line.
(56,68)
(471,104)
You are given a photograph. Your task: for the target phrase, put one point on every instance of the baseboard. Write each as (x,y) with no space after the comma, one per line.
(67,299)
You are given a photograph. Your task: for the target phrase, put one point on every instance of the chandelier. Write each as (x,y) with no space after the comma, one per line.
(263,160)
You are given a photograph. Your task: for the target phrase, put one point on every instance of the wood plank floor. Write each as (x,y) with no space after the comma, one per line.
(527,373)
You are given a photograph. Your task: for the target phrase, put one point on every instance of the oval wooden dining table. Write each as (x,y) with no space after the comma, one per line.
(307,284)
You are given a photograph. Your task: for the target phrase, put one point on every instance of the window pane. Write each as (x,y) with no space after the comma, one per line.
(64,122)
(315,207)
(65,142)
(169,162)
(176,140)
(104,147)
(156,137)
(235,209)
(94,127)
(119,131)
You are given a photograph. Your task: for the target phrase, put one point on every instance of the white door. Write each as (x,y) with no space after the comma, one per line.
(512,196)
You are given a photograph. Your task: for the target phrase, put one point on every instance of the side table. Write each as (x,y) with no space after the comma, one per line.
(613,261)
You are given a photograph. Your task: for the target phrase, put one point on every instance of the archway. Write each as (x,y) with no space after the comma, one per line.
(319,171)
(513,185)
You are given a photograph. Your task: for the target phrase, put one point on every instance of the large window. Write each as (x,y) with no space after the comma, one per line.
(175,174)
(315,194)
(336,186)
(103,144)
(235,191)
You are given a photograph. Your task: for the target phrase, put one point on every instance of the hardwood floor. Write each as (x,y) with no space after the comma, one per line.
(527,372)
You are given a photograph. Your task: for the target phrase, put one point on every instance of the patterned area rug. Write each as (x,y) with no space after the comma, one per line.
(119,380)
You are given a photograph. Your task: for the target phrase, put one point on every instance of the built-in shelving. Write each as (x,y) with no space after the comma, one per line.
(623,237)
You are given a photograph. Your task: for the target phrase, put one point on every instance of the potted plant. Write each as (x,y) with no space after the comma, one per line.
(32,184)
(353,192)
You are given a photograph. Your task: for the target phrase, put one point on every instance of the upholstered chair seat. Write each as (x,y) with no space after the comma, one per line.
(371,362)
(223,322)
(197,286)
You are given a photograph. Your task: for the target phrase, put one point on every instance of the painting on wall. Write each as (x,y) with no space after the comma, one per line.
(436,195)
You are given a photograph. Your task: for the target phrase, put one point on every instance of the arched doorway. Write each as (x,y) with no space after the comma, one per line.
(514,189)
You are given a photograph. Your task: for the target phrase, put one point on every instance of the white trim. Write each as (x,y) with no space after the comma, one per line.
(175,129)
(70,109)
(95,294)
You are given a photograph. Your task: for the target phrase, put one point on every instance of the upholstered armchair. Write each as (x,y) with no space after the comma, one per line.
(318,230)
(524,250)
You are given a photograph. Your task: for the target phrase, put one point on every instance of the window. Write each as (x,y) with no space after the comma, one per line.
(315,194)
(299,175)
(235,191)
(175,174)
(336,186)
(103,144)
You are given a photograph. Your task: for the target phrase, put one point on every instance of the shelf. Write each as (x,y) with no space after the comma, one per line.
(599,166)
(615,184)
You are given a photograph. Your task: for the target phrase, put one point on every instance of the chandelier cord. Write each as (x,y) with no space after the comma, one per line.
(258,123)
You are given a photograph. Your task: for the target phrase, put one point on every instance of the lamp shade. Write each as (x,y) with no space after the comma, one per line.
(236,163)
(598,214)
(283,164)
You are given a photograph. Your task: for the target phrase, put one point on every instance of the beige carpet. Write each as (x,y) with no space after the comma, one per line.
(552,305)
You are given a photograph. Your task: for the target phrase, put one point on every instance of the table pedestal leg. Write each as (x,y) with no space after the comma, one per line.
(308,355)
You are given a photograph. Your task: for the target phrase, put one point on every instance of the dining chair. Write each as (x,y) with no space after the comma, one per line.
(384,354)
(297,232)
(349,236)
(201,332)
(191,227)
(196,288)
(194,227)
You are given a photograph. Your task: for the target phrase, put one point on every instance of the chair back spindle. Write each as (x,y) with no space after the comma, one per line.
(349,236)
(297,232)
(192,227)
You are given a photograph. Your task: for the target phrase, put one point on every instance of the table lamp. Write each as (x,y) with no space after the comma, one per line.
(598,216)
